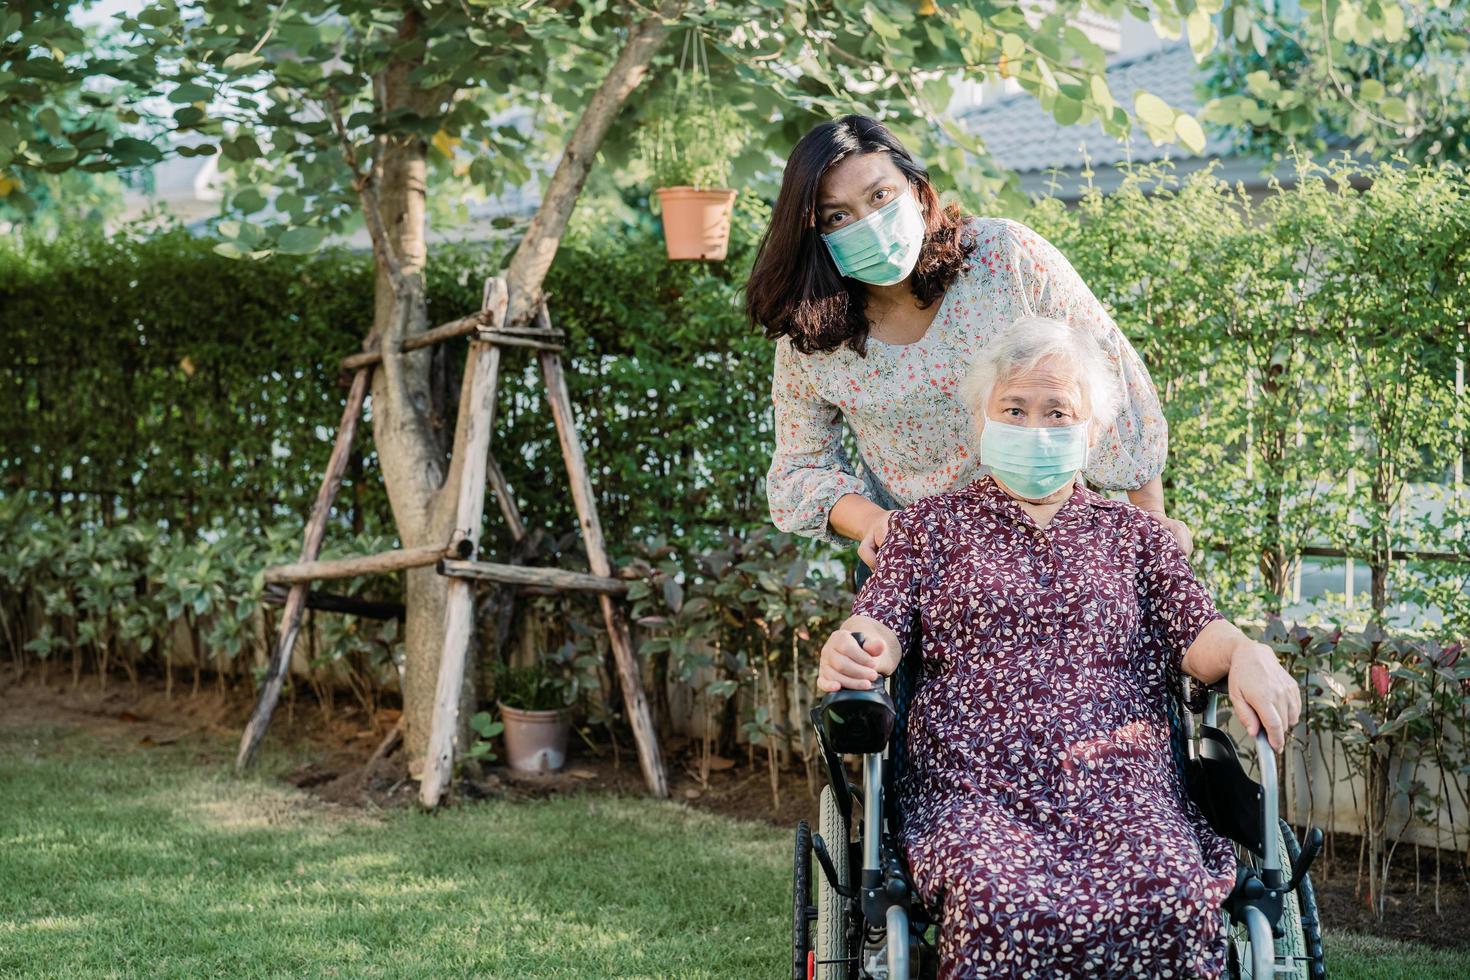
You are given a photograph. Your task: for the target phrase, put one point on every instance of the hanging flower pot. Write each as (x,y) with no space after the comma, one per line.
(689,142)
(696,222)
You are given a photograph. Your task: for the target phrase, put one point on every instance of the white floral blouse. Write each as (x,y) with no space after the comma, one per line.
(914,435)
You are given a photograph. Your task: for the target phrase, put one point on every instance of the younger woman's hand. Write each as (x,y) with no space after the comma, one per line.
(845,664)
(873,536)
(1263,694)
(1179,529)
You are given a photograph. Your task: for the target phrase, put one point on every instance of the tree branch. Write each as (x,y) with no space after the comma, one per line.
(532,259)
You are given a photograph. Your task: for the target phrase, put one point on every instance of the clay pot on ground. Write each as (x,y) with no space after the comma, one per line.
(535,741)
(696,221)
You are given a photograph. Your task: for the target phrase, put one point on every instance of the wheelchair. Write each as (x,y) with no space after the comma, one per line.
(867,922)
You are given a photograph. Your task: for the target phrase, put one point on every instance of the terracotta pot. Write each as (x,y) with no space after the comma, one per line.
(696,222)
(535,741)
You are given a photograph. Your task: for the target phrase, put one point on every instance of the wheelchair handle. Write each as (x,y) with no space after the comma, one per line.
(861,640)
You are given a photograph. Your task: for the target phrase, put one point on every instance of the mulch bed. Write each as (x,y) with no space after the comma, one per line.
(345,766)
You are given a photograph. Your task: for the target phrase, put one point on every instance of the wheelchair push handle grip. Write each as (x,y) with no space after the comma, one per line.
(876,684)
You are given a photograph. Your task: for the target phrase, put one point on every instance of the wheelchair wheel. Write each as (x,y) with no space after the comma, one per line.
(801,903)
(831,931)
(1298,956)
(1306,898)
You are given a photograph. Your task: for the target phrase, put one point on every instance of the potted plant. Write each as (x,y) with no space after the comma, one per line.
(689,143)
(533,708)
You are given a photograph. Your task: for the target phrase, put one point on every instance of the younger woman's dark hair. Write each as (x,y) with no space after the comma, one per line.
(795,289)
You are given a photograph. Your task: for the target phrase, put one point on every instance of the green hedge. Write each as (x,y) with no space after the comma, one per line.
(1306,351)
(1305,347)
(152,379)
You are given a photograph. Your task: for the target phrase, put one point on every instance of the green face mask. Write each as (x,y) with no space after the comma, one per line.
(1034,461)
(881,248)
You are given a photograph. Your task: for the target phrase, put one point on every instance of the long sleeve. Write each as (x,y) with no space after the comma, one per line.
(1175,606)
(891,593)
(809,469)
(1132,451)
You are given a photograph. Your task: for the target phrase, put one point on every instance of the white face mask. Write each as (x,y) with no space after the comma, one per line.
(881,248)
(1034,461)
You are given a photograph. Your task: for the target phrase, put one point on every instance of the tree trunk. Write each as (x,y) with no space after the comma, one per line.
(409,454)
(415,471)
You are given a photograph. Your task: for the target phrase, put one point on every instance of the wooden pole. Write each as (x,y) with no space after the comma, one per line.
(384,561)
(459,606)
(316,526)
(634,702)
(445,331)
(553,578)
(508,508)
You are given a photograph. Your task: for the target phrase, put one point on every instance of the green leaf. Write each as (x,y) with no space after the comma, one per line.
(1393,21)
(1066,111)
(191,92)
(1189,132)
(1262,85)
(249,200)
(131,152)
(243,62)
(1153,110)
(50,121)
(1201,29)
(300,240)
(1394,108)
(241,148)
(1371,90)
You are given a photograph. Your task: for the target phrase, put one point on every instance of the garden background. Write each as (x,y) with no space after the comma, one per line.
(171,391)
(169,421)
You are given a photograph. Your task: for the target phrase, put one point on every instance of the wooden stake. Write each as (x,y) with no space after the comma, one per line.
(508,508)
(459,607)
(384,561)
(316,527)
(555,578)
(634,702)
(445,331)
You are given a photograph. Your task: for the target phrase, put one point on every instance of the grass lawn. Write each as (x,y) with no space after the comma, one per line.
(157,862)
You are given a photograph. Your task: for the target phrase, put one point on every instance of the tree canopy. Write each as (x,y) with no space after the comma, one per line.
(291,97)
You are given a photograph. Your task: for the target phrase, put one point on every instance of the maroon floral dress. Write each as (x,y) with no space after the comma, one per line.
(1043,816)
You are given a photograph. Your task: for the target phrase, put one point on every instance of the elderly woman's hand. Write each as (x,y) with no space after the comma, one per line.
(873,536)
(1263,693)
(845,664)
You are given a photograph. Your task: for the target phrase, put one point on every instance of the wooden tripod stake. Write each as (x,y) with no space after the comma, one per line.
(454,559)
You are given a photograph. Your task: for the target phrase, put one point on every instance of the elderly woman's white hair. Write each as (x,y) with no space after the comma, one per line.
(1026,343)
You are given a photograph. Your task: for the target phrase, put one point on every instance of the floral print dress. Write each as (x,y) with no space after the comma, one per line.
(1043,817)
(914,435)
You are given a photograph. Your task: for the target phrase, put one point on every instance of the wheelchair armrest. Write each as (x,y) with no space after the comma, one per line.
(1233,803)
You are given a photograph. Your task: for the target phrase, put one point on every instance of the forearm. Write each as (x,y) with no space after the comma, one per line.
(1150,496)
(852,514)
(869,627)
(1217,647)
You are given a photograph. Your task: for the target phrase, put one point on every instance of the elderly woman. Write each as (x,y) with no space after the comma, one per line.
(1043,814)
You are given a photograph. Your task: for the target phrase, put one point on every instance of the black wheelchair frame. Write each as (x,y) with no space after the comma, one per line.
(883,929)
